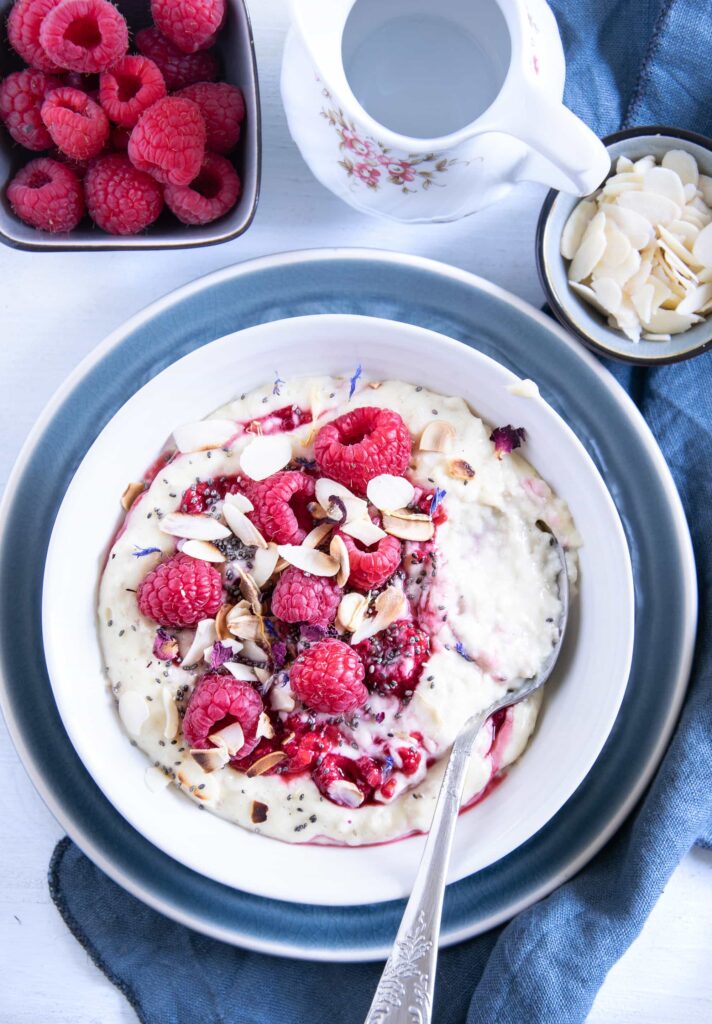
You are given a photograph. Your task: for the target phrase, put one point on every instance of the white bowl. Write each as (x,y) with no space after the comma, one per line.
(582,700)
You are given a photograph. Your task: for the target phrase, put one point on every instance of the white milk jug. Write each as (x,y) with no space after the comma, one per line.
(423,111)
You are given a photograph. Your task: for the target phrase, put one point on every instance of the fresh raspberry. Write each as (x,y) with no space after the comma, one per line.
(84,35)
(301,597)
(370,567)
(204,496)
(329,677)
(280,502)
(178,69)
(346,781)
(78,125)
(23,31)
(223,110)
(180,592)
(394,658)
(169,141)
(128,88)
(305,744)
(48,195)
(120,199)
(190,24)
(21,97)
(218,701)
(211,195)
(410,759)
(362,444)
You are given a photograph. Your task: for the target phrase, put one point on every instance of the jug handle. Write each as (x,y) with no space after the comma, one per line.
(578,161)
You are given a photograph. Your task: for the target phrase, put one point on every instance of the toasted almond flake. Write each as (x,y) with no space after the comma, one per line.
(696,299)
(351,612)
(210,760)
(246,627)
(318,535)
(250,591)
(205,636)
(459,469)
(437,436)
(316,511)
(281,565)
(309,559)
(339,552)
(131,492)
(204,435)
(243,528)
(281,698)
(408,525)
(232,737)
(223,633)
(198,527)
(390,606)
(239,501)
(345,793)
(264,727)
(265,763)
(387,492)
(264,563)
(356,508)
(683,164)
(239,671)
(155,779)
(364,531)
(575,226)
(133,711)
(172,721)
(702,249)
(254,652)
(591,250)
(655,207)
(263,674)
(375,384)
(258,812)
(264,456)
(203,550)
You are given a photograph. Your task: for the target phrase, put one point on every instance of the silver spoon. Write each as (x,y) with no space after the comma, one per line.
(405,991)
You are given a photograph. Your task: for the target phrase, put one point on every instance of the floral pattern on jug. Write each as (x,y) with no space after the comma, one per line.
(368,162)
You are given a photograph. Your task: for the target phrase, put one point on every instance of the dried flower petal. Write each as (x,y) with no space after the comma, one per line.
(506,439)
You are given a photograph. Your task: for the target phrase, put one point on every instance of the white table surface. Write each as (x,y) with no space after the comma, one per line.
(56,308)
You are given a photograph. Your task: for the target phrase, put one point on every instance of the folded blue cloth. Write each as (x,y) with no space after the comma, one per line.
(630,62)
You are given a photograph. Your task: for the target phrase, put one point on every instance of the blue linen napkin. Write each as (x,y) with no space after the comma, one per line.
(630,62)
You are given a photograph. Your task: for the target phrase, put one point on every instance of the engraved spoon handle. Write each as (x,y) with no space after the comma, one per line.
(405,991)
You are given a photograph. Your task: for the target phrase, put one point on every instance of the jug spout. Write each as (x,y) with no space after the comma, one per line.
(320,24)
(572,158)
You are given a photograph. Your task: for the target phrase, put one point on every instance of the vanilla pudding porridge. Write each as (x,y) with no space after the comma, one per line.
(314,588)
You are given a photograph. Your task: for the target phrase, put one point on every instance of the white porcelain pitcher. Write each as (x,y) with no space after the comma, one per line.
(423,111)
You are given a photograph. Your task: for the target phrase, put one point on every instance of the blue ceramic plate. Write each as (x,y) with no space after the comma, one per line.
(461,306)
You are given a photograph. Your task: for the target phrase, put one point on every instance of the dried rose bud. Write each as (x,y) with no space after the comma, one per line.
(165,646)
(506,439)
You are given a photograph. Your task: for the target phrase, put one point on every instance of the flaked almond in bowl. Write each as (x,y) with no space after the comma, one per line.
(629,268)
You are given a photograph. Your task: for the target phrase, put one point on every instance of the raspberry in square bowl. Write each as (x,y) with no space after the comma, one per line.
(314,587)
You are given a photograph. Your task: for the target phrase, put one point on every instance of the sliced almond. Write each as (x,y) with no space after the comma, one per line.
(203,550)
(133,711)
(696,299)
(250,590)
(705,186)
(675,246)
(258,812)
(155,779)
(316,511)
(623,272)
(204,435)
(246,627)
(264,564)
(364,531)
(655,207)
(205,636)
(591,250)
(264,456)
(309,559)
(254,652)
(375,384)
(281,698)
(356,508)
(234,646)
(683,164)
(180,524)
(608,293)
(664,182)
(212,759)
(685,232)
(574,229)
(223,633)
(637,229)
(669,321)
(390,606)
(339,552)
(263,674)
(437,436)
(232,737)
(265,728)
(642,300)
(239,501)
(265,763)
(459,469)
(588,295)
(345,793)
(239,671)
(318,535)
(243,528)
(351,612)
(172,722)
(702,249)
(130,494)
(657,337)
(387,492)
(618,246)
(408,525)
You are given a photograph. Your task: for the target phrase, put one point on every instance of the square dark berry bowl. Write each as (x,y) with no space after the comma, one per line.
(236,51)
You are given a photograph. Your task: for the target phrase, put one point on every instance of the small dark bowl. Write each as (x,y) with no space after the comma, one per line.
(239,67)
(575,314)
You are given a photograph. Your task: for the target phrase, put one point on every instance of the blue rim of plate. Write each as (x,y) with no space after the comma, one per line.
(430,294)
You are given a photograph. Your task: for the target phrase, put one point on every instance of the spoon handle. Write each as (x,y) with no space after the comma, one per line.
(405,991)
